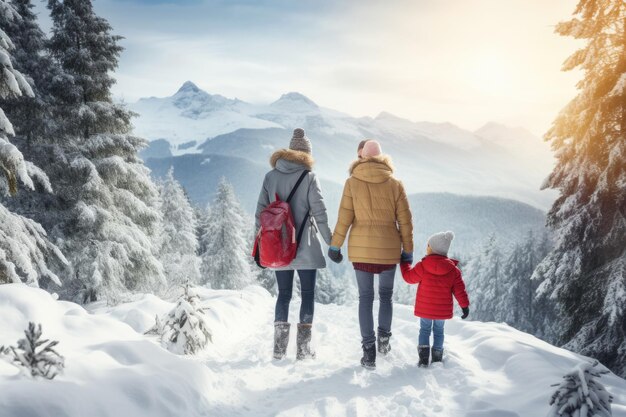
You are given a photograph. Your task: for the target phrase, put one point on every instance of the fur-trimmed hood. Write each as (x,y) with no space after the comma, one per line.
(301,158)
(375,169)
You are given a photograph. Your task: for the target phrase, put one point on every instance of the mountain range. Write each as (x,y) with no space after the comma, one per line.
(494,160)
(474,183)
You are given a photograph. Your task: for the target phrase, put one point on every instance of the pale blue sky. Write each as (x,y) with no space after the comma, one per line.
(463,61)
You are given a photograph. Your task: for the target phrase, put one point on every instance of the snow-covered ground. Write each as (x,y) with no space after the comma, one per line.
(112,369)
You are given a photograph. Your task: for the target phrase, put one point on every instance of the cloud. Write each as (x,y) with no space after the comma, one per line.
(445,60)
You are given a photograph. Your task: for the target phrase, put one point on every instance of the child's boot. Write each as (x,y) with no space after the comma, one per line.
(424,352)
(281,339)
(368,361)
(383,341)
(437,355)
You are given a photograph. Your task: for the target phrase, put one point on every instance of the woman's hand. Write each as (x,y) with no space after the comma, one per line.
(334,253)
(406,257)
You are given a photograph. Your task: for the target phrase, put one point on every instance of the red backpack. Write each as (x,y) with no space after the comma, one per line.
(276,244)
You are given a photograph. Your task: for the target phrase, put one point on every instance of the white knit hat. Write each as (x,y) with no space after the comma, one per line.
(299,141)
(440,242)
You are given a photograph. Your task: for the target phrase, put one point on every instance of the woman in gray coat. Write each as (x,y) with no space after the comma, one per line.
(288,165)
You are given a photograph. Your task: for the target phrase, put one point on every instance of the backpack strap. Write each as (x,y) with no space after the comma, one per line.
(306,218)
(295,187)
(301,231)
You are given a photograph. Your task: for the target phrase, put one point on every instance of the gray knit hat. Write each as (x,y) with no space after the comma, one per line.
(440,242)
(299,141)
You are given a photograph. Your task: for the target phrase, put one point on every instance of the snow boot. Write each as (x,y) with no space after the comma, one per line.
(281,339)
(383,341)
(368,361)
(303,341)
(424,353)
(437,355)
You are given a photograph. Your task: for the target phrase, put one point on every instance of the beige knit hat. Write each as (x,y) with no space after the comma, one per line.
(299,141)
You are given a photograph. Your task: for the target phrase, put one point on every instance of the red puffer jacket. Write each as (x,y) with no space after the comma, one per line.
(438,278)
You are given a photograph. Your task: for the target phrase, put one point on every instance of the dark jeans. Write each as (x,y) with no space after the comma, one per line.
(365,281)
(307,293)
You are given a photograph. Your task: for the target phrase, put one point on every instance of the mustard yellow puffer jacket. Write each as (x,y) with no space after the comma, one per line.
(375,209)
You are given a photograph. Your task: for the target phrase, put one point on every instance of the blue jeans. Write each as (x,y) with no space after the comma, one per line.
(284,280)
(436,327)
(365,281)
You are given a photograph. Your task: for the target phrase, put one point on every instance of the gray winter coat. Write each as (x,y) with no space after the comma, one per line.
(288,166)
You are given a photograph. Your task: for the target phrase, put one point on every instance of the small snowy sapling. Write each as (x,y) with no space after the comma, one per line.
(37,357)
(580,394)
(184,330)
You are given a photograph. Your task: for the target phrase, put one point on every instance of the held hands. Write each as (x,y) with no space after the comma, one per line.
(334,253)
(406,257)
(465,313)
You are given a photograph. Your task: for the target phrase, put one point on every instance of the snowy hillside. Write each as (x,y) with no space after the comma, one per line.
(430,157)
(112,369)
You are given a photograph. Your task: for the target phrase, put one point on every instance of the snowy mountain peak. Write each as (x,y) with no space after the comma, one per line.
(295,101)
(196,103)
(188,87)
(389,117)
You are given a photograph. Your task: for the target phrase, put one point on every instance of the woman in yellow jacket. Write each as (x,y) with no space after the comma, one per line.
(375,211)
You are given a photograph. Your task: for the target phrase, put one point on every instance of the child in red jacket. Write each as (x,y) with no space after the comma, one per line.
(438,279)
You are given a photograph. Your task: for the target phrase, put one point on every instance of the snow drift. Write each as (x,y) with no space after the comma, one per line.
(112,369)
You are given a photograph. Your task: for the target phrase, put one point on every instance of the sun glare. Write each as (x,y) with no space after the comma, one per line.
(490,74)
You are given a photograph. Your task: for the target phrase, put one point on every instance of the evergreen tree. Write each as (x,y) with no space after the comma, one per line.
(518,305)
(324,289)
(33,116)
(178,243)
(404,293)
(104,215)
(486,282)
(37,357)
(225,263)
(265,277)
(586,271)
(331,289)
(25,252)
(201,225)
(581,394)
(184,330)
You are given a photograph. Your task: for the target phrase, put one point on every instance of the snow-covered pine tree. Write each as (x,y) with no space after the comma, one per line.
(581,394)
(325,291)
(37,357)
(200,215)
(184,330)
(178,243)
(105,212)
(266,278)
(33,117)
(330,289)
(518,301)
(225,264)
(485,279)
(585,273)
(404,293)
(25,252)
